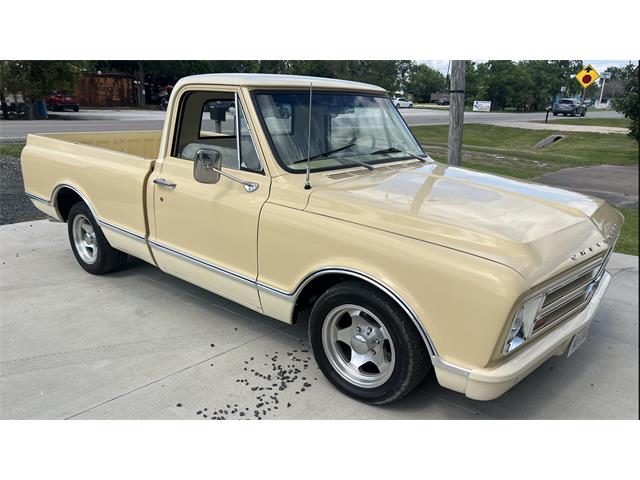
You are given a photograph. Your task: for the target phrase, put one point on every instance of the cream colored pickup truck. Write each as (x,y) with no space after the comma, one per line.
(310,198)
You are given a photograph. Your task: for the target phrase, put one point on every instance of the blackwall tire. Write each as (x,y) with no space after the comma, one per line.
(365,344)
(89,245)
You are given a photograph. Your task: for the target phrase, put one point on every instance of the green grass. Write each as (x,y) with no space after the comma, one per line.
(11,149)
(509,151)
(600,122)
(628,241)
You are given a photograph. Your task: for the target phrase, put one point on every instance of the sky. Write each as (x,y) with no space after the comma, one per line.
(599,65)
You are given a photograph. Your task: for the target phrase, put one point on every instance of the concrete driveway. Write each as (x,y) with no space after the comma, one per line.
(140,344)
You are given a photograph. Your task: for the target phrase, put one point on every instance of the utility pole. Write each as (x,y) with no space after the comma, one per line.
(140,91)
(456,111)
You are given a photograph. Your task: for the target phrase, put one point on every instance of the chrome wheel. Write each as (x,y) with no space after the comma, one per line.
(358,346)
(84,239)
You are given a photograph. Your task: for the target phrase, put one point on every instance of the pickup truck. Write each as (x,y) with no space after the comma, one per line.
(309,199)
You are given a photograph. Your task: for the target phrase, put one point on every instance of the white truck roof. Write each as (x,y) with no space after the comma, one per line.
(272,80)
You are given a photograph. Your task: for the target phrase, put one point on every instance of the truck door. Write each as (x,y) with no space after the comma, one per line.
(207,233)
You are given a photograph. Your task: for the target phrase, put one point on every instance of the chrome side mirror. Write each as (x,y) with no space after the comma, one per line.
(207,168)
(207,165)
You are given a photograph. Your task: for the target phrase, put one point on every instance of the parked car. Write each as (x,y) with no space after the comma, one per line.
(443,101)
(402,103)
(400,264)
(62,101)
(569,106)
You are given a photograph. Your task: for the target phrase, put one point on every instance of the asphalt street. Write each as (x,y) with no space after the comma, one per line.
(140,344)
(113,120)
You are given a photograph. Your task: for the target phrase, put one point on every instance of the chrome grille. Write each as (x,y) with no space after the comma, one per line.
(570,293)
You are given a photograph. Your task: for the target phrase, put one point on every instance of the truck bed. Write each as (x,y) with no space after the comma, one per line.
(107,169)
(145,143)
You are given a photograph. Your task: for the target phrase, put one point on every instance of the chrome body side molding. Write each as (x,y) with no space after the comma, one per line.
(285,300)
(53,202)
(203,263)
(124,231)
(38,198)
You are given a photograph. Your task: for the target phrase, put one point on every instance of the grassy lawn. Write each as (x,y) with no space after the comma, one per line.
(628,241)
(600,122)
(509,151)
(11,149)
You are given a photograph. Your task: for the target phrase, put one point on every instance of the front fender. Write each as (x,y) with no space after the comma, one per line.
(463,302)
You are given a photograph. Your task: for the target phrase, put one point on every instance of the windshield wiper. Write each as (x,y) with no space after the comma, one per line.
(344,161)
(397,150)
(353,162)
(325,154)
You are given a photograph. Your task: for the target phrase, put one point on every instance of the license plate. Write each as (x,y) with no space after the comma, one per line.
(578,340)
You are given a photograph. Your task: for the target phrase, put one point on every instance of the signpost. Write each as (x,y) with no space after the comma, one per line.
(586,77)
(605,76)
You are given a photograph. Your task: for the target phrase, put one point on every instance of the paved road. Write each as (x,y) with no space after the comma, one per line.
(434,117)
(110,120)
(140,344)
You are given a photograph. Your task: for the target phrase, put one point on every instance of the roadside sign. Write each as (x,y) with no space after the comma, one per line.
(587,76)
(481,106)
(606,75)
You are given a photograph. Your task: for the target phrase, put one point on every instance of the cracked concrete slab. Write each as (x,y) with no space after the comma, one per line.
(140,344)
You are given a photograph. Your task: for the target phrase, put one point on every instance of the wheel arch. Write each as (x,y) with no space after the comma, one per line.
(314,284)
(64,197)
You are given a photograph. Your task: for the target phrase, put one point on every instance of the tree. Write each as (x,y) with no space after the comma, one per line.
(422,81)
(37,79)
(628,104)
(475,82)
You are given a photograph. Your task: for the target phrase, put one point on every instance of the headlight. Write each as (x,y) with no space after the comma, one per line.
(522,324)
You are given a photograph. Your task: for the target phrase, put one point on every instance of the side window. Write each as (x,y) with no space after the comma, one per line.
(248,155)
(213,120)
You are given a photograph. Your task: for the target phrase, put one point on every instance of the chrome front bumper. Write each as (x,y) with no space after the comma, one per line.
(487,384)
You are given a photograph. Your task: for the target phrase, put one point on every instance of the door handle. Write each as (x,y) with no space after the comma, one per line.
(164,183)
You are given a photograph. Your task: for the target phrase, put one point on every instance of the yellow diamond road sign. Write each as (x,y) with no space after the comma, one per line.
(587,76)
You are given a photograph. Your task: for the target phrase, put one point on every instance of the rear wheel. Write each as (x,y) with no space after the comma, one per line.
(89,245)
(365,344)
(76,109)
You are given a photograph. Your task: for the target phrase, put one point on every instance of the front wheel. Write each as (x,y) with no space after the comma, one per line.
(365,344)
(89,245)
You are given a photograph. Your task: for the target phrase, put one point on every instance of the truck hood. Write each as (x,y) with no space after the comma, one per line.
(534,229)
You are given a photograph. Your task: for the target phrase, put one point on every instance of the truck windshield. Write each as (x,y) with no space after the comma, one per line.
(347,129)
